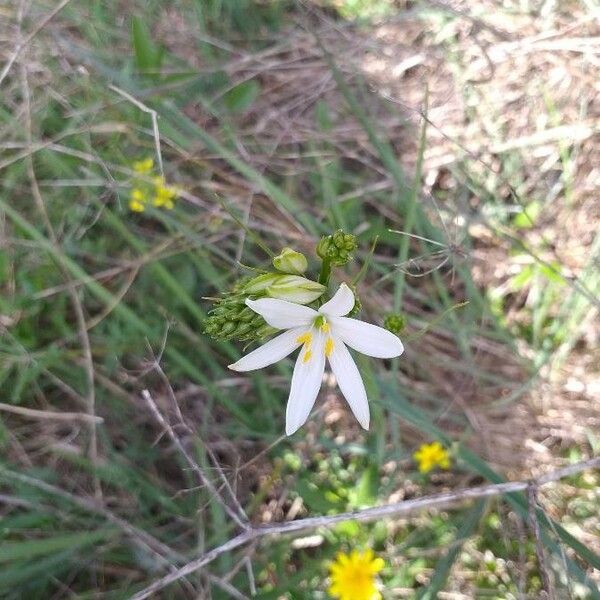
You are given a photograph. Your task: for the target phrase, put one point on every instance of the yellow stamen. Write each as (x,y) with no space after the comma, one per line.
(305,338)
(306,356)
(329,347)
(325,328)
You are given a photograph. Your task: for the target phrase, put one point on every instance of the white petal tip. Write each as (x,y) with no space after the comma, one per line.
(291,430)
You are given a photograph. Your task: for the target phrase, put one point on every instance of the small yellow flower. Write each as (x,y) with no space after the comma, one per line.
(429,456)
(164,194)
(353,576)
(143,167)
(150,188)
(137,200)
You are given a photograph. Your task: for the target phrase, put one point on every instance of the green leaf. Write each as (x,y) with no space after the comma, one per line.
(444,565)
(520,280)
(315,498)
(368,485)
(147,55)
(526,218)
(242,96)
(13,551)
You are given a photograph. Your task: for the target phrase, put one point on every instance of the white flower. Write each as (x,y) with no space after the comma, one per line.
(323,334)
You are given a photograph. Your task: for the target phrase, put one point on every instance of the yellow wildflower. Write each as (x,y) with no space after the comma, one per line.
(137,200)
(143,167)
(429,456)
(353,576)
(150,188)
(164,194)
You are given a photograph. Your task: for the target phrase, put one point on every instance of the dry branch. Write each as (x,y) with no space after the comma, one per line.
(368,514)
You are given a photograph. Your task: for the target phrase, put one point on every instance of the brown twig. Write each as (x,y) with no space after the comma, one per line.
(48,414)
(368,514)
(193,464)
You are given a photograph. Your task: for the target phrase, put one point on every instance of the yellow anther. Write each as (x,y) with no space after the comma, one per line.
(325,328)
(329,347)
(305,338)
(306,356)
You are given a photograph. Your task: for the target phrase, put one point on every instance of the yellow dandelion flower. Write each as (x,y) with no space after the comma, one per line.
(429,456)
(143,167)
(353,576)
(137,200)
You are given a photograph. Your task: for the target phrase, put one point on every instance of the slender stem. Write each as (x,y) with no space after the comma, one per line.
(325,272)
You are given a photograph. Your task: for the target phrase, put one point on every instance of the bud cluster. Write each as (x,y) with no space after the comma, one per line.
(232,319)
(337,248)
(395,323)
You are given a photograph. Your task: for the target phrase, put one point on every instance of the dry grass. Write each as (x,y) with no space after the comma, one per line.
(514,115)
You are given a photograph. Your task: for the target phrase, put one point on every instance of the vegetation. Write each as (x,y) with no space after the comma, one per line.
(155,155)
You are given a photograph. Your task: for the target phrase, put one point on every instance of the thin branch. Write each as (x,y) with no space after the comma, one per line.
(153,115)
(236,504)
(23,43)
(48,414)
(368,514)
(193,464)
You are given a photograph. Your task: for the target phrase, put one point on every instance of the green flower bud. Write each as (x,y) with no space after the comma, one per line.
(257,286)
(395,323)
(290,261)
(232,319)
(337,248)
(294,288)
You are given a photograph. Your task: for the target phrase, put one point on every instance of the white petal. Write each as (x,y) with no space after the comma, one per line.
(341,303)
(270,352)
(282,314)
(366,338)
(350,382)
(306,382)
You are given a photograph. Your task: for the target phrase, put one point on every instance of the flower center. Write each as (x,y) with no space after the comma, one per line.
(306,339)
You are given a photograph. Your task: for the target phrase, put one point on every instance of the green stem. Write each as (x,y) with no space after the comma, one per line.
(325,272)
(324,276)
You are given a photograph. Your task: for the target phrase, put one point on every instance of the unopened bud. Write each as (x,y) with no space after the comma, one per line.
(395,323)
(290,261)
(294,288)
(257,286)
(337,248)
